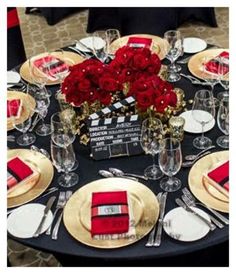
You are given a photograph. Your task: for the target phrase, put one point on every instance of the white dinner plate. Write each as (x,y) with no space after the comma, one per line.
(24,221)
(192,126)
(194,44)
(88,41)
(12,77)
(184,226)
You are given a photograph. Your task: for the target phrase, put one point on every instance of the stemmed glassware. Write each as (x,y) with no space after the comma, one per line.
(223,79)
(62,132)
(64,159)
(173,48)
(170,161)
(39,93)
(203,111)
(100,45)
(38,77)
(151,134)
(223,122)
(111,35)
(25,139)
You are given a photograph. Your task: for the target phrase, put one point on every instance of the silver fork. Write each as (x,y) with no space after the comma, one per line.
(150,240)
(60,203)
(187,193)
(57,225)
(190,203)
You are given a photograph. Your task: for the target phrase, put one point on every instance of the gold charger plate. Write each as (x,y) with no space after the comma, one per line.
(195,63)
(197,187)
(28,106)
(25,71)
(77,213)
(157,46)
(40,163)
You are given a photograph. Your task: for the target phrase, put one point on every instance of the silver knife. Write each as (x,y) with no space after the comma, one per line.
(157,241)
(189,209)
(46,210)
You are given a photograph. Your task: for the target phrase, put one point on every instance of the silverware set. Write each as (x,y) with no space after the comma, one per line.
(190,163)
(115,172)
(154,239)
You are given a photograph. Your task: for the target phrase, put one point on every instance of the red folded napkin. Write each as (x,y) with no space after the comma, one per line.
(17,171)
(219,178)
(109,213)
(50,65)
(13,107)
(139,42)
(213,65)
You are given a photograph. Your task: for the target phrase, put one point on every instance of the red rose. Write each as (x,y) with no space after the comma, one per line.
(108,83)
(161,103)
(171,98)
(104,97)
(140,62)
(84,85)
(144,99)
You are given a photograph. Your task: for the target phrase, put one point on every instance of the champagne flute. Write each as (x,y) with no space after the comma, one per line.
(151,134)
(173,48)
(170,161)
(25,139)
(64,159)
(223,122)
(203,111)
(39,93)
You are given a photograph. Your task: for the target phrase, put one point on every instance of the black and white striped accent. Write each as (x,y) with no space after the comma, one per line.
(105,111)
(109,121)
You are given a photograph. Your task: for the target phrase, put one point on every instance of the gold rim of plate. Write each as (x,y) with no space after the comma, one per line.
(157,46)
(77,212)
(28,106)
(213,199)
(41,164)
(195,63)
(25,71)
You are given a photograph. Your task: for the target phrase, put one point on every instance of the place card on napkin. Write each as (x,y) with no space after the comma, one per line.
(213,65)
(109,213)
(14,108)
(19,175)
(139,42)
(219,178)
(50,65)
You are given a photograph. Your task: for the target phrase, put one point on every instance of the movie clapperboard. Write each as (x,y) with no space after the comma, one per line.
(117,136)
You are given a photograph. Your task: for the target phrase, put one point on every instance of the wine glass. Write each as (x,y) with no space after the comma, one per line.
(173,48)
(100,45)
(151,134)
(170,161)
(223,78)
(62,134)
(38,71)
(39,93)
(203,111)
(25,139)
(64,159)
(223,122)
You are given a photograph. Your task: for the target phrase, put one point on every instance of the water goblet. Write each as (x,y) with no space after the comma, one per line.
(203,111)
(223,77)
(151,134)
(170,161)
(64,159)
(23,126)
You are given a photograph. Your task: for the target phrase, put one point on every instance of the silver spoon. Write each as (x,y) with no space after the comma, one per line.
(108,174)
(190,163)
(45,153)
(192,157)
(119,172)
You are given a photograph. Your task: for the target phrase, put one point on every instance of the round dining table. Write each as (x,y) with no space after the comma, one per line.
(212,249)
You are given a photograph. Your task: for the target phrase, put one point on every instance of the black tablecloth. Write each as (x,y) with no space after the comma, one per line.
(154,21)
(66,247)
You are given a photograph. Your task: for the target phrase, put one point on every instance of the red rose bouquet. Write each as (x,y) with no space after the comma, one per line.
(133,70)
